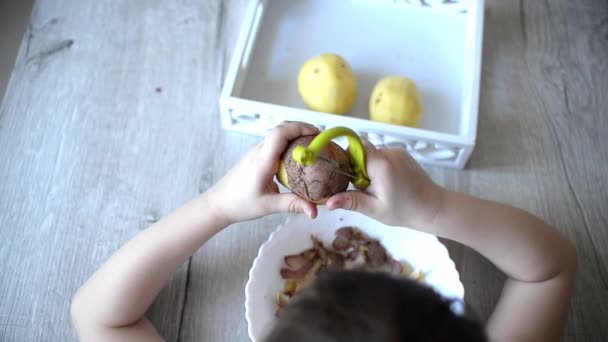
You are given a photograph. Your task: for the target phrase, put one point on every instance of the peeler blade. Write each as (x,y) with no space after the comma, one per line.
(336,167)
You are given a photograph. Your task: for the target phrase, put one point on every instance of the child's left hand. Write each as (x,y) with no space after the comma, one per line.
(248,191)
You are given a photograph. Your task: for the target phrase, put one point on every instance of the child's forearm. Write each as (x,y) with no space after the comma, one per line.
(539,262)
(520,244)
(120,292)
(111,304)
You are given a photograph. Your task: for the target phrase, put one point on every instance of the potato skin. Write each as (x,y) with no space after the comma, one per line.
(317,182)
(396,100)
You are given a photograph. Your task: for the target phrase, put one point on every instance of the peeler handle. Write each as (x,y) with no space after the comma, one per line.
(308,155)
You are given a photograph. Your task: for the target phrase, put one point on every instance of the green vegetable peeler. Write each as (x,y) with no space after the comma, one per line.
(309,155)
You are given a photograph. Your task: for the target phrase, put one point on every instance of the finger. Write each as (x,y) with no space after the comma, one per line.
(367,144)
(291,203)
(275,187)
(276,142)
(290,130)
(352,200)
(272,188)
(370,149)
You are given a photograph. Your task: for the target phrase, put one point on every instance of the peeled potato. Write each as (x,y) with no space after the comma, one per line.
(318,182)
(395,100)
(327,84)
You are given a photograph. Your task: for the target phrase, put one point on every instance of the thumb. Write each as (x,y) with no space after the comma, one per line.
(292,203)
(351,200)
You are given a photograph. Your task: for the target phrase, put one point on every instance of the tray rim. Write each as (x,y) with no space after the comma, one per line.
(236,74)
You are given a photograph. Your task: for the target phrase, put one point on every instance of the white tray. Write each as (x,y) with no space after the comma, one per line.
(436,43)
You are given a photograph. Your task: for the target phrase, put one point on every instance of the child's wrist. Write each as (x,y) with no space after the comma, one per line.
(208,204)
(433,201)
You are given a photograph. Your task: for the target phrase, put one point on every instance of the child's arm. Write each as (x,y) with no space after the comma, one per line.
(111,304)
(539,262)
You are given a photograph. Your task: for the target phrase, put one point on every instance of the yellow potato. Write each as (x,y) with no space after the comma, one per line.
(282,175)
(395,100)
(327,84)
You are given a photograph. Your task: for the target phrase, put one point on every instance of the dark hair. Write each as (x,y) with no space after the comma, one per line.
(361,306)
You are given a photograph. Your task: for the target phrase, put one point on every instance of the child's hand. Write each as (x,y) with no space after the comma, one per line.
(248,191)
(401,193)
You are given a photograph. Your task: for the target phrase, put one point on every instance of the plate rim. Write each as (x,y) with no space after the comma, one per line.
(291,217)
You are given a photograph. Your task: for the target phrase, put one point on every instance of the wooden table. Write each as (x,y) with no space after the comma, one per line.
(111,120)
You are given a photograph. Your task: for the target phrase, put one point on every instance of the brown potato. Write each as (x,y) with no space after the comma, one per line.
(317,182)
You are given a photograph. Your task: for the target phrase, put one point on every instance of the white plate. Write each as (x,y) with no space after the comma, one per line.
(421,250)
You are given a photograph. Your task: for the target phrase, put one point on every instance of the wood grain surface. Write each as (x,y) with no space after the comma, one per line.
(111,120)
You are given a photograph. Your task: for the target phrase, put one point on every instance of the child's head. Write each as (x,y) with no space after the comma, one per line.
(361,306)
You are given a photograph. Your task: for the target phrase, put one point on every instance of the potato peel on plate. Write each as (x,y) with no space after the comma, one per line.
(350,249)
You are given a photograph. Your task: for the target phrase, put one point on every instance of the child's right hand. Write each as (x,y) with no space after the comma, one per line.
(400,194)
